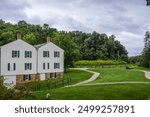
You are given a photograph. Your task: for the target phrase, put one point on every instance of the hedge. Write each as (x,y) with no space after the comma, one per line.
(98,62)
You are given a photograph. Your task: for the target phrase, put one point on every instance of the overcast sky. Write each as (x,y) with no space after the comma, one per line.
(126,19)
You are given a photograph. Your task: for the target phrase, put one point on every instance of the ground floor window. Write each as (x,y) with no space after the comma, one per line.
(26,77)
(52,75)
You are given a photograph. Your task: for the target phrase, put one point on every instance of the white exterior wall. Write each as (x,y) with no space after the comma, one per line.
(51,60)
(6,57)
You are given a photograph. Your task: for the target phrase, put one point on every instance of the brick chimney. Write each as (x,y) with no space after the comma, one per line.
(18,36)
(48,39)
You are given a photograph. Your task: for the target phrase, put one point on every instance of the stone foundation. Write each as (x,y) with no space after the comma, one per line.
(20,79)
(59,74)
(35,77)
(47,76)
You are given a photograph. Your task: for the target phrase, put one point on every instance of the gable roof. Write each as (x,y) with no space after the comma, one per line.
(39,45)
(44,44)
(18,40)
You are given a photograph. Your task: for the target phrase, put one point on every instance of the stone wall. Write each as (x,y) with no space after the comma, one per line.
(35,77)
(19,78)
(59,74)
(47,76)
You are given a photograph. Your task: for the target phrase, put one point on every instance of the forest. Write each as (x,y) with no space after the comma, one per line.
(78,45)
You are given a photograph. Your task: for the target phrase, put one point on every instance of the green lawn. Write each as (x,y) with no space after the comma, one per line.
(119,75)
(103,92)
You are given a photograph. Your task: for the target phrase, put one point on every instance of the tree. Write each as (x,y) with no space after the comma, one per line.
(89,46)
(6,37)
(30,38)
(71,51)
(146,50)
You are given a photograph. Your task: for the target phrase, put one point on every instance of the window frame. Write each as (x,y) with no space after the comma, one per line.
(56,54)
(28,66)
(27,77)
(15,53)
(56,65)
(53,75)
(46,54)
(28,54)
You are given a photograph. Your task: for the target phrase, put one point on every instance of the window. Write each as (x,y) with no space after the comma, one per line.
(43,65)
(56,65)
(52,75)
(28,54)
(15,54)
(26,77)
(56,54)
(47,65)
(28,66)
(11,67)
(14,66)
(45,53)
(8,66)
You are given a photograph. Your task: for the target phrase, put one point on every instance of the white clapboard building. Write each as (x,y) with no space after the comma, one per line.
(21,62)
(50,60)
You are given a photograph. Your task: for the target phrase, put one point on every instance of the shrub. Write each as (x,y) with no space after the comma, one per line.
(98,62)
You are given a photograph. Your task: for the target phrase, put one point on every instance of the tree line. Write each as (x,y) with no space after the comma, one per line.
(78,45)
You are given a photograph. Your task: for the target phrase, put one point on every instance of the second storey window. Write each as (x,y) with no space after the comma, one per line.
(56,65)
(28,66)
(56,54)
(28,54)
(45,53)
(15,54)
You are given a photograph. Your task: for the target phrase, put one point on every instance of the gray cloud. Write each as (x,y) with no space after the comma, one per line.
(127,19)
(13,10)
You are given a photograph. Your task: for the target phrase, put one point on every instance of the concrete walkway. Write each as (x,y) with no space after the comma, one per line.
(113,83)
(93,77)
(96,74)
(147,74)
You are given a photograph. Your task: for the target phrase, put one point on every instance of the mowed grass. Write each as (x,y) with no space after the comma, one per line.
(99,92)
(119,75)
(104,92)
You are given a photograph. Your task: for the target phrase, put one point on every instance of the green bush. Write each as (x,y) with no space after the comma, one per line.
(11,93)
(98,62)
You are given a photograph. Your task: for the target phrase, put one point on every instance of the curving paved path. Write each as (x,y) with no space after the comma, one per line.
(93,77)
(114,83)
(147,73)
(96,74)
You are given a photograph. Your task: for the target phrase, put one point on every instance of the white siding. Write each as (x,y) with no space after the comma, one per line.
(51,59)
(6,57)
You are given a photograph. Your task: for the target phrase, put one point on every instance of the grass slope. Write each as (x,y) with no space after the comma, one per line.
(104,92)
(119,75)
